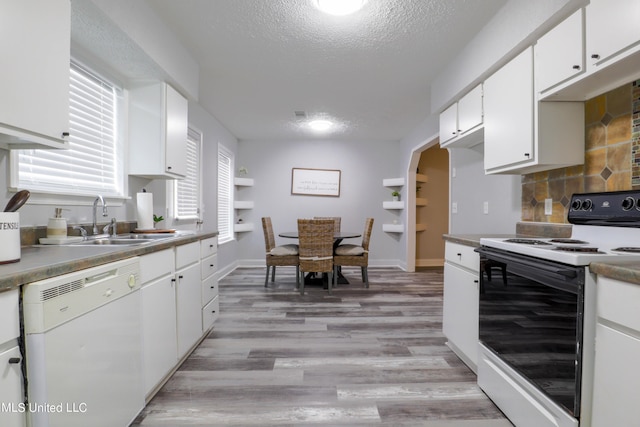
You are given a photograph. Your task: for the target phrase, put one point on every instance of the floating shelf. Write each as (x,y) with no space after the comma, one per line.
(393,182)
(243,204)
(242,228)
(393,205)
(243,182)
(421,201)
(421,227)
(421,178)
(393,228)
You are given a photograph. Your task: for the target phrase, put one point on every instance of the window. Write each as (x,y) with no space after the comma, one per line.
(93,163)
(187,191)
(225,195)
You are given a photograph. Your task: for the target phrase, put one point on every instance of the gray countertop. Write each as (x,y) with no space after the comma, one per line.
(40,262)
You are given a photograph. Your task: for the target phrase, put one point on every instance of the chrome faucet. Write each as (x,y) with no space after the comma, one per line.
(113,226)
(95,209)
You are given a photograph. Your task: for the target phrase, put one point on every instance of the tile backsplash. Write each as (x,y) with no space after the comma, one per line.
(612,157)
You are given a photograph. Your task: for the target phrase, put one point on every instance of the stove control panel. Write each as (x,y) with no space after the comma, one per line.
(616,208)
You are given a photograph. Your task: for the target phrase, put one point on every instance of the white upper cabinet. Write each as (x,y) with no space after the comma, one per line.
(522,135)
(559,54)
(461,124)
(449,124)
(612,29)
(34,76)
(157,132)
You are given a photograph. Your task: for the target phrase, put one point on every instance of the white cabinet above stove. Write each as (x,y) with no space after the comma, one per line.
(522,135)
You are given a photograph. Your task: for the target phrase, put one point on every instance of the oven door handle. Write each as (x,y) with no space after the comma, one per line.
(538,265)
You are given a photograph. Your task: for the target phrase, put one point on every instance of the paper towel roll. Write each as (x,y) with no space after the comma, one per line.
(145,211)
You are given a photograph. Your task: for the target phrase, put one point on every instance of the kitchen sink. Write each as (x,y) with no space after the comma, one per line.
(133,236)
(112,241)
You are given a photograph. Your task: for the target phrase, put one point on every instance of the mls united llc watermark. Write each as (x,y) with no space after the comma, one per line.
(66,407)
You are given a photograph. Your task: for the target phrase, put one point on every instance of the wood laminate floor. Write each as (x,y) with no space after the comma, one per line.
(358,357)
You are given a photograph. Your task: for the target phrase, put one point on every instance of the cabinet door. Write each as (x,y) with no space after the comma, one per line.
(508,113)
(460,311)
(189,307)
(470,110)
(449,123)
(158,330)
(560,53)
(11,395)
(612,26)
(34,77)
(616,378)
(176,132)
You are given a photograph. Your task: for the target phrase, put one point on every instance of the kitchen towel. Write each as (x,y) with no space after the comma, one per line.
(145,211)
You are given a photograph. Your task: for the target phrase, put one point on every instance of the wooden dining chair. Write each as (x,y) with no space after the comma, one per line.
(284,255)
(354,255)
(315,238)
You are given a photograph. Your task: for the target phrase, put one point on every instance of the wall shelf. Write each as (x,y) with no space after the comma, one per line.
(243,182)
(421,178)
(243,204)
(393,205)
(393,228)
(243,227)
(393,182)
(421,201)
(421,227)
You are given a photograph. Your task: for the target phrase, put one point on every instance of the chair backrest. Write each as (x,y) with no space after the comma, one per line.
(366,236)
(315,239)
(269,238)
(336,221)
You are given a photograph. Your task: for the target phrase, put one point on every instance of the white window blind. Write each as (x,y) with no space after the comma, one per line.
(225,194)
(91,165)
(187,200)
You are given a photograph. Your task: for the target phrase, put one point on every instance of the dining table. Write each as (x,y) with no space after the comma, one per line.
(338,236)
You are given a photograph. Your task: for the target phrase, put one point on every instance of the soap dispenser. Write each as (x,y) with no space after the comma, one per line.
(57,226)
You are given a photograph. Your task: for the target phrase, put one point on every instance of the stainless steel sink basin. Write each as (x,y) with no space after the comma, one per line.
(133,236)
(113,241)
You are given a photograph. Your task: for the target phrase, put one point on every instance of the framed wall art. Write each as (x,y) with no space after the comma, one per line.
(315,182)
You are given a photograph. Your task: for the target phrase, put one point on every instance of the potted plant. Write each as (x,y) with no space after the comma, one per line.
(395,195)
(156,220)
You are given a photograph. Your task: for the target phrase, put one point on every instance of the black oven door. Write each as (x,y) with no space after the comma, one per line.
(532,319)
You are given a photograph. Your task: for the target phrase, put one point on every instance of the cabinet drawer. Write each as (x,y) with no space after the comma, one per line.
(187,254)
(618,302)
(209,289)
(9,315)
(156,265)
(210,314)
(209,266)
(462,255)
(208,247)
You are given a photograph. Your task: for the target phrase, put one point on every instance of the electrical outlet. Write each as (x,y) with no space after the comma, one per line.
(548,206)
(454,208)
(485,208)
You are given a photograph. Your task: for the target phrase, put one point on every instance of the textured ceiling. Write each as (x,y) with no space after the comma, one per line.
(261,60)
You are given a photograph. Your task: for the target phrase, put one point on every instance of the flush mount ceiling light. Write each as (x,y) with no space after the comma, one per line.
(340,7)
(320,125)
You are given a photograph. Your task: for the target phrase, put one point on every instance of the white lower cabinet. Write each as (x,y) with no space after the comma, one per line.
(461,300)
(616,372)
(11,384)
(188,296)
(159,330)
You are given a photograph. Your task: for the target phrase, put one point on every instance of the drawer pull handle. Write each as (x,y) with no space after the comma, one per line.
(213,287)
(595,56)
(14,360)
(180,277)
(576,67)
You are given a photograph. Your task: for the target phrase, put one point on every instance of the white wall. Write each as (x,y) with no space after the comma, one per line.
(363,165)
(471,188)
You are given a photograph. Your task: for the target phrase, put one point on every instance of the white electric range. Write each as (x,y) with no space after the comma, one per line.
(537,321)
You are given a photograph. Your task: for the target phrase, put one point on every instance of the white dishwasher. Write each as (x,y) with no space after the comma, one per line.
(83,347)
